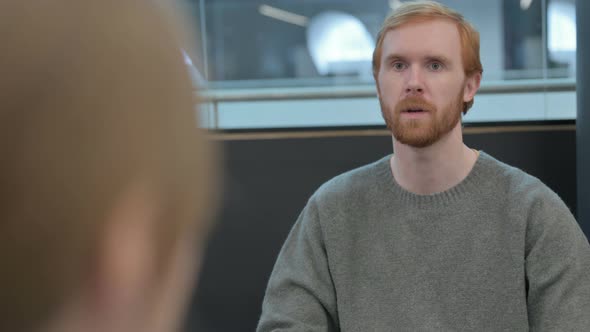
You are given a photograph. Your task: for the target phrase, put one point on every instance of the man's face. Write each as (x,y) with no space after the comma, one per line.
(421,81)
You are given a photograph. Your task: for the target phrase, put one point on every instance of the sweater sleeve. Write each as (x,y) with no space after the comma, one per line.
(557,268)
(300,295)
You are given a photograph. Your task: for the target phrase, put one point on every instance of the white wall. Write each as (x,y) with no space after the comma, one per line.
(365,111)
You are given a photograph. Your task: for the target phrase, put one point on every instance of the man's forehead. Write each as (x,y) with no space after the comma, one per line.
(434,36)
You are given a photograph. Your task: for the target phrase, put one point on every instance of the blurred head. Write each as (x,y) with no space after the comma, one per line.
(427,70)
(105,177)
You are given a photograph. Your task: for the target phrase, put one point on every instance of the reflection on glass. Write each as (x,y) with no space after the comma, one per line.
(339,44)
(523,40)
(561,26)
(273,43)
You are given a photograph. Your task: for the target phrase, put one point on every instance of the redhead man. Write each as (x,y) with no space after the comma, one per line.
(437,236)
(105,178)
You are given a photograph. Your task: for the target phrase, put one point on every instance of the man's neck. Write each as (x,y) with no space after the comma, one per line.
(435,168)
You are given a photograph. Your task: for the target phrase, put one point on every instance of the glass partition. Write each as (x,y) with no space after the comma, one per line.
(300,50)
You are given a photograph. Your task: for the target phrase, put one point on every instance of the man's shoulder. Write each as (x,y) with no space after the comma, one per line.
(519,185)
(355,183)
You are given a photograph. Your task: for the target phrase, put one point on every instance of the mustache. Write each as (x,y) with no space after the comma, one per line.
(414,103)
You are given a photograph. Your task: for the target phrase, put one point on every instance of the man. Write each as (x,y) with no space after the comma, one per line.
(436,237)
(105,179)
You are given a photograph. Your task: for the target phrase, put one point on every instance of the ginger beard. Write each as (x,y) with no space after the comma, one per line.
(424,131)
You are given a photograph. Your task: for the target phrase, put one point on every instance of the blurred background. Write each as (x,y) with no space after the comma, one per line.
(286,89)
(255,52)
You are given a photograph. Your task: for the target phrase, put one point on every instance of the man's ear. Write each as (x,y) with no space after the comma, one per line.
(472,84)
(125,266)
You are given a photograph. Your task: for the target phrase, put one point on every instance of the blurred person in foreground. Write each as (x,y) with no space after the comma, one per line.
(105,178)
(437,236)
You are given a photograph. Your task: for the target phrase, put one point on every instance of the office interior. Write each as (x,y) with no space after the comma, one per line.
(286,92)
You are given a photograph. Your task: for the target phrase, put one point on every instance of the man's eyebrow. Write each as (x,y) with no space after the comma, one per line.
(438,58)
(394,56)
(429,58)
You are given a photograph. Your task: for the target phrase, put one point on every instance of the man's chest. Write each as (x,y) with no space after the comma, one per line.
(428,270)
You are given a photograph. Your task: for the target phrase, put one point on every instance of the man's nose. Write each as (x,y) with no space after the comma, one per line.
(414,84)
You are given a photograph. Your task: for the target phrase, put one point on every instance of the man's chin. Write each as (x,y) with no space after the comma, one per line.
(415,138)
(416,142)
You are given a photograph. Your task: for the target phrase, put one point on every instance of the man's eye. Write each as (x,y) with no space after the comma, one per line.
(399,66)
(436,66)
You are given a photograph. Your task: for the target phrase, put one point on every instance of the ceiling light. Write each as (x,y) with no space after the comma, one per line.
(283,15)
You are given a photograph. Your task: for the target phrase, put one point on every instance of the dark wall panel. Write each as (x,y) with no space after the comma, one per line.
(267,183)
(583,112)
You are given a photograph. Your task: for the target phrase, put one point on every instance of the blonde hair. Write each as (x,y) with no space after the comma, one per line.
(94,97)
(427,10)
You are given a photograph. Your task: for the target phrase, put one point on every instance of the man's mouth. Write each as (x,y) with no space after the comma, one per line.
(414,110)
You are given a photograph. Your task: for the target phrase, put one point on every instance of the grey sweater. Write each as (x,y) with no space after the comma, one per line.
(498,252)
